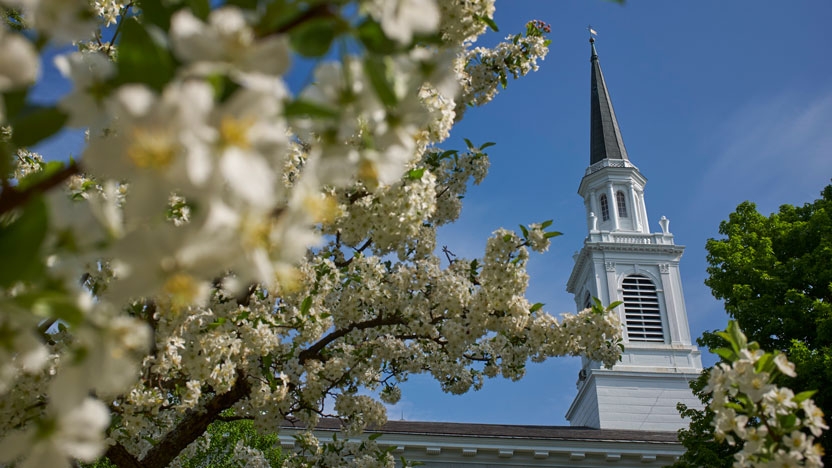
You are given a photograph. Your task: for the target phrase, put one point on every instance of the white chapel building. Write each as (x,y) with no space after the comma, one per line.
(621,417)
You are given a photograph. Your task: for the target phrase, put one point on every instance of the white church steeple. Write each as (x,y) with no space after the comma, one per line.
(621,260)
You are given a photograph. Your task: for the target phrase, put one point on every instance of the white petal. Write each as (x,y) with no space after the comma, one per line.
(190,38)
(82,430)
(270,56)
(19,62)
(135,100)
(249,176)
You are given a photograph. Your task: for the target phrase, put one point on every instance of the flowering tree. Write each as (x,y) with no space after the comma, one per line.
(774,426)
(227,248)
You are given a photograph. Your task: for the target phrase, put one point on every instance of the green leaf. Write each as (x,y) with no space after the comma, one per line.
(244,4)
(726,353)
(378,70)
(47,170)
(486,145)
(765,363)
(375,436)
(303,108)
(468,142)
(306,305)
(525,231)
(370,34)
(735,406)
(223,86)
(217,323)
(546,224)
(537,306)
(277,15)
(52,305)
(788,421)
(14,102)
(415,174)
(141,58)
(552,234)
(803,396)
(737,335)
(201,8)
(155,12)
(488,21)
(20,243)
(613,305)
(36,123)
(314,37)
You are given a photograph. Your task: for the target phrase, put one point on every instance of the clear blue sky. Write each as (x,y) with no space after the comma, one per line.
(718,101)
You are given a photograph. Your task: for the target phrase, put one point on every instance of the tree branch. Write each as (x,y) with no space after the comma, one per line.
(361,249)
(321,10)
(120,457)
(234,418)
(11,198)
(313,352)
(194,424)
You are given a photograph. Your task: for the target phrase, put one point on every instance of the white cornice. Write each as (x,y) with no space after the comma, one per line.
(583,258)
(619,448)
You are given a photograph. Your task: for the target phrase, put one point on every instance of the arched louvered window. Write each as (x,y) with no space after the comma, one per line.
(641,309)
(622,204)
(605,207)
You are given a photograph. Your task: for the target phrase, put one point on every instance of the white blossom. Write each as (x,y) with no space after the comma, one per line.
(19,62)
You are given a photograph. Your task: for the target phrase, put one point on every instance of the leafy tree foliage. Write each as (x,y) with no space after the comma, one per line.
(775,275)
(701,447)
(224,438)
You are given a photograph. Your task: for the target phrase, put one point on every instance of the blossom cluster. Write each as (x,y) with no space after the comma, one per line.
(774,426)
(342,453)
(226,243)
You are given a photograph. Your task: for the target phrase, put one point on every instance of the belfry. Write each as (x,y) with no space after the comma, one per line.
(621,260)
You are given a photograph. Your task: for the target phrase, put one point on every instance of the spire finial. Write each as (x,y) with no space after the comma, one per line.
(592,34)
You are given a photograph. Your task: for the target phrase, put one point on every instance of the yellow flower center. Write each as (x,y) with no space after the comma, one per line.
(323,208)
(368,173)
(256,233)
(151,149)
(234,132)
(182,288)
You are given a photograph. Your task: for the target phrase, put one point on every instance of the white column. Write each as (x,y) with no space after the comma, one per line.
(588,209)
(593,202)
(670,306)
(643,210)
(634,210)
(613,206)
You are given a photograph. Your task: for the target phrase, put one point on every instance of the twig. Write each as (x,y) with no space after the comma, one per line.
(313,352)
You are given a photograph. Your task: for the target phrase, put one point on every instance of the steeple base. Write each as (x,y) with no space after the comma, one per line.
(644,401)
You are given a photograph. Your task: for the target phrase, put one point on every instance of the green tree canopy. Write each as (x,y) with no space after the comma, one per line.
(775,275)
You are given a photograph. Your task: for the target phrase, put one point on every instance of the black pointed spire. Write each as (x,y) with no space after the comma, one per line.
(605,137)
